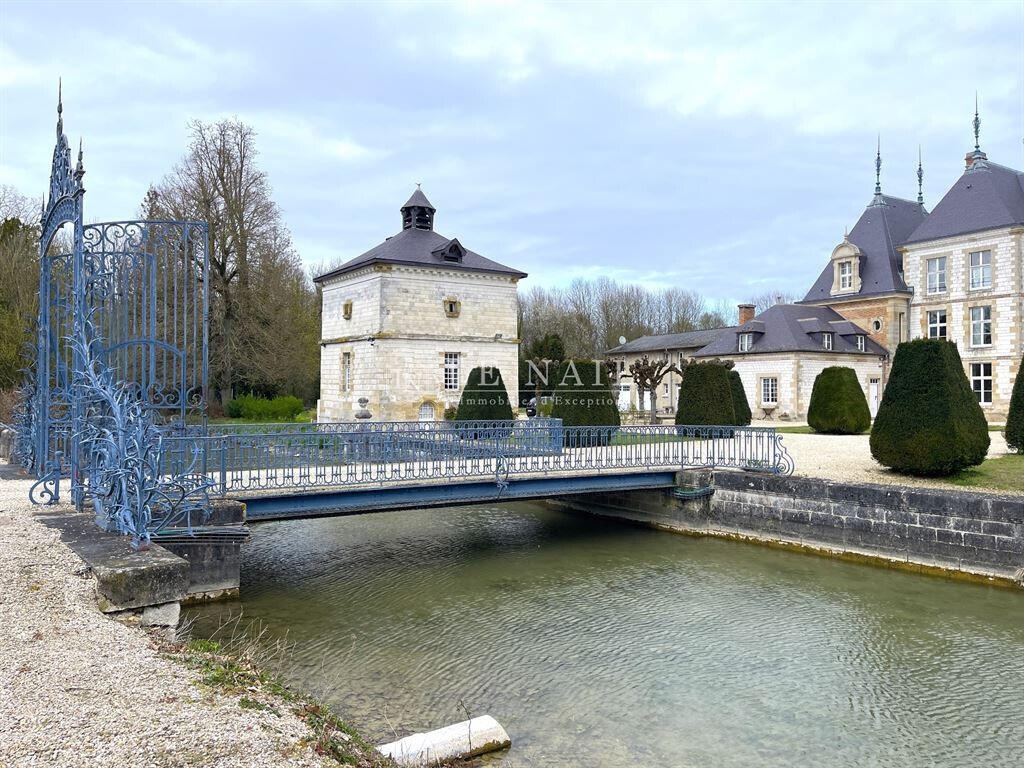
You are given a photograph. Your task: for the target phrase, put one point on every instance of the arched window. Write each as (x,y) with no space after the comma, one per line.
(427,412)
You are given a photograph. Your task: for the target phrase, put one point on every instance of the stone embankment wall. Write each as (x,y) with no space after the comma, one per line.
(958,533)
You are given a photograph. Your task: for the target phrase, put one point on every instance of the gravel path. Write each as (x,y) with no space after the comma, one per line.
(848,457)
(80,689)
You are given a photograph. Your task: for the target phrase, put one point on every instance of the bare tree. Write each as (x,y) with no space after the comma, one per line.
(259,294)
(647,375)
(769,299)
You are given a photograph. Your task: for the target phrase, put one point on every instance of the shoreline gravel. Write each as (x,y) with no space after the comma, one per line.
(80,689)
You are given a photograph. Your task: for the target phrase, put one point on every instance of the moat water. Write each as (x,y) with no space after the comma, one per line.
(604,645)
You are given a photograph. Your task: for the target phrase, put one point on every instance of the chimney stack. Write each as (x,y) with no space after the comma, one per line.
(746,313)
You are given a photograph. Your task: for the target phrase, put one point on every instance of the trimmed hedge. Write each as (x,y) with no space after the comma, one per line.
(929,422)
(740,406)
(1014,433)
(838,405)
(583,397)
(705,395)
(253,408)
(484,398)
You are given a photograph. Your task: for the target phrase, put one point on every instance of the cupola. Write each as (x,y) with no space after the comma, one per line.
(418,213)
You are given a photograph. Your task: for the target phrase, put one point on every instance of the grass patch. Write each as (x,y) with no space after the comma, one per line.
(1004,473)
(800,429)
(234,667)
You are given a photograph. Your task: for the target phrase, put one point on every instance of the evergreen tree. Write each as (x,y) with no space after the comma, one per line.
(484,397)
(838,405)
(1014,433)
(929,422)
(583,397)
(740,406)
(705,396)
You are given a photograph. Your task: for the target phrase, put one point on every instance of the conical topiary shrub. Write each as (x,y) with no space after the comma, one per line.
(1014,433)
(740,406)
(705,396)
(583,398)
(929,422)
(484,397)
(838,405)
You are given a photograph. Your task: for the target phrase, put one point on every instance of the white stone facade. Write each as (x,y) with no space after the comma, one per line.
(392,348)
(1004,296)
(795,373)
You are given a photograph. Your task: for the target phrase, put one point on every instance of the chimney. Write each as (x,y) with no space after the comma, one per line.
(746,313)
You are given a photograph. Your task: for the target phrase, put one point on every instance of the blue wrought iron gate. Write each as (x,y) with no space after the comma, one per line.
(121,360)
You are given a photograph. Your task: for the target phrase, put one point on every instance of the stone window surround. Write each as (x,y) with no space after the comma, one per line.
(981,377)
(345,371)
(760,391)
(969,324)
(846,252)
(926,321)
(346,310)
(452,306)
(451,370)
(968,270)
(925,267)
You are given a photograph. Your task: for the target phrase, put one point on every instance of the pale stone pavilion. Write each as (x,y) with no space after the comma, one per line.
(404,323)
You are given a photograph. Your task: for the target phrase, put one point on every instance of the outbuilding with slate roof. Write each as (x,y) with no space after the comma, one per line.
(405,322)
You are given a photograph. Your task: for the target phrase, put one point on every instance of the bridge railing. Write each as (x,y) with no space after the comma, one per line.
(352,455)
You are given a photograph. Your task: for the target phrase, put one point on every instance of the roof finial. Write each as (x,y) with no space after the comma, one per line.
(977,124)
(417,185)
(920,178)
(878,167)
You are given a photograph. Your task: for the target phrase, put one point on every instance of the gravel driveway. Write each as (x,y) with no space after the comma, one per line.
(848,457)
(80,689)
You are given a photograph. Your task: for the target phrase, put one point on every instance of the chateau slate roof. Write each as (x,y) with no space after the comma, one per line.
(794,328)
(986,196)
(421,248)
(883,227)
(418,199)
(661,342)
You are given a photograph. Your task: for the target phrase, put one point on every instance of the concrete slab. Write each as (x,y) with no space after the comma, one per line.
(125,578)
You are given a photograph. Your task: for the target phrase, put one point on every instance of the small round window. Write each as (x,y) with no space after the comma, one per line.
(876,325)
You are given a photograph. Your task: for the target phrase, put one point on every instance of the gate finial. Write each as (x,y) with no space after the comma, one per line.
(60,109)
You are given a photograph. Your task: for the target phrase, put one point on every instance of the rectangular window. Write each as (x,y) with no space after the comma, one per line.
(845,275)
(826,340)
(981,381)
(451,370)
(746,342)
(981,270)
(937,324)
(861,345)
(346,371)
(981,326)
(937,275)
(769,391)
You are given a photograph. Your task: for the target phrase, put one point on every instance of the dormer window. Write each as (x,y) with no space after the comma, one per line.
(826,341)
(846,275)
(861,344)
(451,252)
(746,342)
(846,259)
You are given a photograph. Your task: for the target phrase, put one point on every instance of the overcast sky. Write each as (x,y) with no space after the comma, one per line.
(718,148)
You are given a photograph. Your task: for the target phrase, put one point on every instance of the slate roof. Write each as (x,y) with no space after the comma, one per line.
(659,343)
(794,328)
(986,196)
(418,199)
(883,227)
(421,247)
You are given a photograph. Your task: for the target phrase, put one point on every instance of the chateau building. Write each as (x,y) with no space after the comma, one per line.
(901,273)
(404,323)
